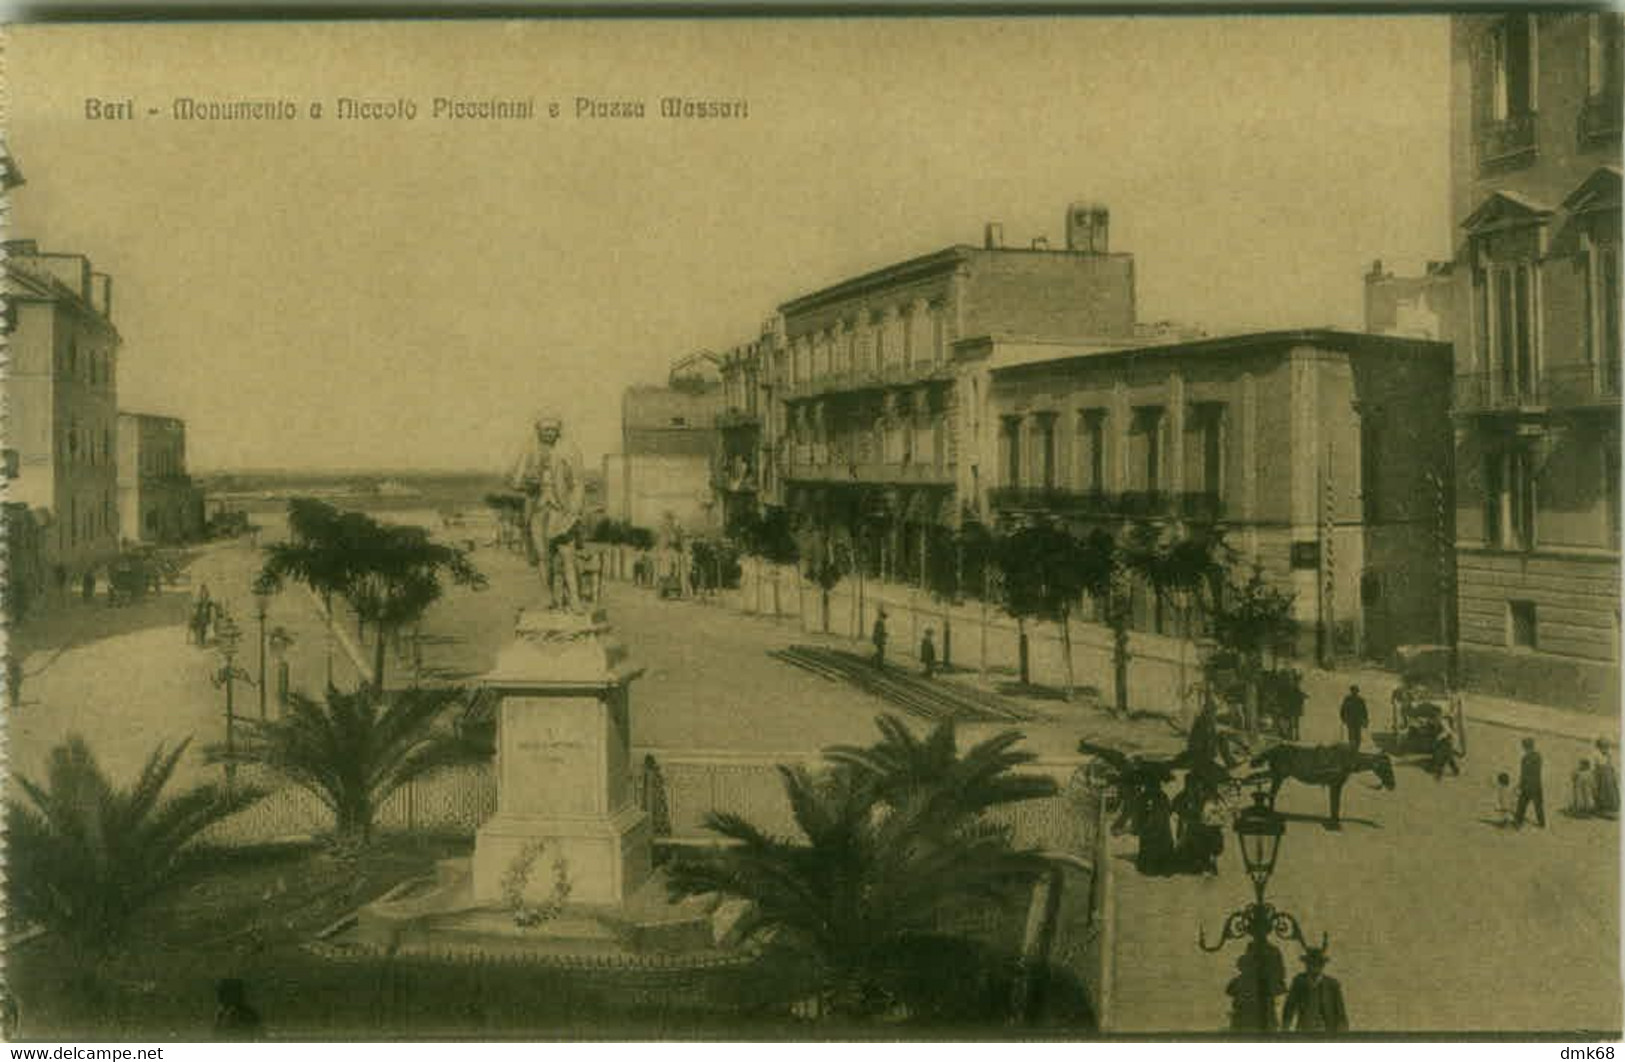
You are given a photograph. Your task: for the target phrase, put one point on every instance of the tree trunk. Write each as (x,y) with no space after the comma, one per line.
(823,609)
(1066,650)
(947,637)
(378,659)
(1021,648)
(987,592)
(1120,663)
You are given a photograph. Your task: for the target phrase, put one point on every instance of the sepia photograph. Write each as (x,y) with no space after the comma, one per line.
(806,527)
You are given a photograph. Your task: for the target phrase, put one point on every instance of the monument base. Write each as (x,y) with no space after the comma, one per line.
(605,859)
(438,915)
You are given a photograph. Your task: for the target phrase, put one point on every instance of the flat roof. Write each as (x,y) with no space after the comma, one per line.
(1364,342)
(921,265)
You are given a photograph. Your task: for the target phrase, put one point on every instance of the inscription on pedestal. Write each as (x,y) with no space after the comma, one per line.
(552,756)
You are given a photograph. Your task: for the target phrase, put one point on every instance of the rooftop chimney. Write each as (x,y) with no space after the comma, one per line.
(993,236)
(1088,228)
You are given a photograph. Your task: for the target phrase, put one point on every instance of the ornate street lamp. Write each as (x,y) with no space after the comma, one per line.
(1259,830)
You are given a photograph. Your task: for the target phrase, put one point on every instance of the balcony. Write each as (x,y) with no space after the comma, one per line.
(870,472)
(1600,120)
(1578,386)
(1507,143)
(734,417)
(869,380)
(1200,506)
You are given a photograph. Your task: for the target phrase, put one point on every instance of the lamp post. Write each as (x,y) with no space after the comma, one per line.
(262,605)
(227,637)
(1259,830)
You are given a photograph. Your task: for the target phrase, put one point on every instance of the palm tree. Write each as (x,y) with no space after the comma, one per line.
(352,750)
(85,856)
(863,897)
(901,766)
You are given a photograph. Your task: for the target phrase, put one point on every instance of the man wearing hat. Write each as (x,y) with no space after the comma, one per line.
(1531,787)
(549,474)
(1314,1003)
(1355,716)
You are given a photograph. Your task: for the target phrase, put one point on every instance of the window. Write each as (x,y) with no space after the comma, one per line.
(1204,448)
(1010,450)
(1505,316)
(73,361)
(1092,450)
(1044,451)
(1509,499)
(1603,56)
(73,441)
(107,444)
(1512,68)
(1521,626)
(1145,449)
(939,336)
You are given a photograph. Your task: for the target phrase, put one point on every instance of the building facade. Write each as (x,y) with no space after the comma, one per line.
(157,500)
(1317,452)
(1536,103)
(745,477)
(669,448)
(872,382)
(62,407)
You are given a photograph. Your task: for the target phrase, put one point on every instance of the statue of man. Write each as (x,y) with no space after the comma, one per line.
(549,474)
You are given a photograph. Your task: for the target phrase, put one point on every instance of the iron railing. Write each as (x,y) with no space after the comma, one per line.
(1584,384)
(1506,141)
(1191,505)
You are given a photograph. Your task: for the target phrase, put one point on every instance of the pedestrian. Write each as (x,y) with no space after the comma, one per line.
(1446,749)
(1583,791)
(200,614)
(1355,716)
(1260,977)
(928,654)
(879,638)
(1503,799)
(234,1019)
(87,587)
(1606,780)
(1314,1003)
(1530,790)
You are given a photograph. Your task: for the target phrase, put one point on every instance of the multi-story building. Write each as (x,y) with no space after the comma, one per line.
(745,475)
(873,381)
(157,499)
(1317,452)
(62,406)
(669,444)
(1536,103)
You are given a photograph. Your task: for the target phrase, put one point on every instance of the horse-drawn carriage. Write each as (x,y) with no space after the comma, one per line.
(1424,700)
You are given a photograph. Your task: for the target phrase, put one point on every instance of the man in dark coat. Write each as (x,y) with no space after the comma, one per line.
(928,654)
(879,638)
(1355,716)
(1314,1003)
(1530,789)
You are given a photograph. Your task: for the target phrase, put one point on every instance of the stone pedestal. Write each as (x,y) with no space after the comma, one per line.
(563,744)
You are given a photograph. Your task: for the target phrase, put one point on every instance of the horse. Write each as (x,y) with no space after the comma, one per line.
(1325,765)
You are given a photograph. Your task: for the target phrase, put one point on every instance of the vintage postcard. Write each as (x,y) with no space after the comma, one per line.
(806,527)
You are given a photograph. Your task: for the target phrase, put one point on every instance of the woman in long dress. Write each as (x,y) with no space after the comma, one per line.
(1605,780)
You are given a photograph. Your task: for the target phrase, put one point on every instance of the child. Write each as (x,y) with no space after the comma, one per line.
(1583,799)
(1504,798)
(928,654)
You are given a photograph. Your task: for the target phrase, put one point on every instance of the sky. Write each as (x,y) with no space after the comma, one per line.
(319,293)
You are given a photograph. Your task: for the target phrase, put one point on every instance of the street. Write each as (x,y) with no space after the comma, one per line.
(1439,920)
